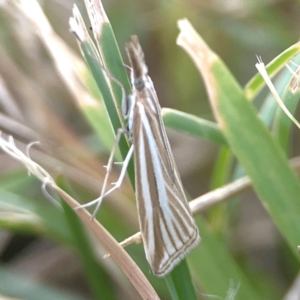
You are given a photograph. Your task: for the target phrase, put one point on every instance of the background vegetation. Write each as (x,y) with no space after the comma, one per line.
(45,253)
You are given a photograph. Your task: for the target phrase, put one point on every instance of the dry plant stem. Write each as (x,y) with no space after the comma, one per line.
(60,133)
(91,180)
(117,253)
(207,200)
(136,238)
(14,127)
(220,195)
(7,102)
(260,66)
(69,67)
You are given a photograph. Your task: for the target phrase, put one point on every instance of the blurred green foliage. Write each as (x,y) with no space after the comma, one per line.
(242,255)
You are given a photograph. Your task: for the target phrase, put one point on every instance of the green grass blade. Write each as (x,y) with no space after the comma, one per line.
(218,215)
(264,162)
(41,217)
(108,48)
(254,86)
(100,77)
(290,97)
(282,123)
(107,86)
(216,270)
(270,106)
(179,282)
(261,157)
(223,168)
(193,125)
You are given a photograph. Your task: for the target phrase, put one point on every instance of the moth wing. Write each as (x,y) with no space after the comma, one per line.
(167,225)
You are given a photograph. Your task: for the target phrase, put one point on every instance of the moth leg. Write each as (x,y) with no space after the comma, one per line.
(108,167)
(118,183)
(136,238)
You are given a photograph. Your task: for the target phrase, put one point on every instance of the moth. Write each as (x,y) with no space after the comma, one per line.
(167,226)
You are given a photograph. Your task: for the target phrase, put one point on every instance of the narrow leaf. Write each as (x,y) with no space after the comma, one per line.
(193,125)
(261,157)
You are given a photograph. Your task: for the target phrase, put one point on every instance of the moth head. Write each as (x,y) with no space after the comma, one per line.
(138,67)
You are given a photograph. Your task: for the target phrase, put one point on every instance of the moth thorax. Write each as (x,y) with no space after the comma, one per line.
(139,83)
